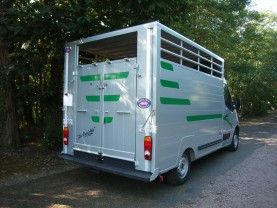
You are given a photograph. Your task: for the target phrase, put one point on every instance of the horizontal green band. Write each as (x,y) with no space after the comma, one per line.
(203,117)
(108,119)
(109,76)
(174,101)
(170,84)
(166,66)
(120,75)
(111,97)
(93,98)
(96,98)
(96,119)
(89,78)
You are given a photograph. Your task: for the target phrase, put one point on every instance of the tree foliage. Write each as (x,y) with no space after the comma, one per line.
(34,33)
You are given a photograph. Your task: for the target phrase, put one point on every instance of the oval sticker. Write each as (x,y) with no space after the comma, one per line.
(144,103)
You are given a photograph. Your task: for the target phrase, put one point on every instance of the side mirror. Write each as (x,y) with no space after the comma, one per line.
(236,104)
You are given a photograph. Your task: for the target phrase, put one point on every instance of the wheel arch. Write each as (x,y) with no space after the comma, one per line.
(191,153)
(237,128)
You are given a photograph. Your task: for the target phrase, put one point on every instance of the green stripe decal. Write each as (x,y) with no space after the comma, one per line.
(96,77)
(120,75)
(96,119)
(203,117)
(108,119)
(166,66)
(228,121)
(170,84)
(89,78)
(111,97)
(96,98)
(93,98)
(174,101)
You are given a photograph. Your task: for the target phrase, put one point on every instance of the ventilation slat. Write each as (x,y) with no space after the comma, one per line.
(182,52)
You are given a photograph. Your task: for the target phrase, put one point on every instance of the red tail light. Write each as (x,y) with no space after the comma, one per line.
(65,135)
(148,148)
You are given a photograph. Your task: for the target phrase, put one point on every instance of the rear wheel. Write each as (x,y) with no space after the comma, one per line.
(179,175)
(235,142)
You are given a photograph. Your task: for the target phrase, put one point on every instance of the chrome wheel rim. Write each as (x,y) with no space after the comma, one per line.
(236,140)
(183,166)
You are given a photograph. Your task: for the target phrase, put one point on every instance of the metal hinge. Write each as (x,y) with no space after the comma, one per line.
(136,67)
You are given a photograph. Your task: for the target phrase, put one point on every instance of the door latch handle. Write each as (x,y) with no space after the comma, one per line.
(102,86)
(82,110)
(123,112)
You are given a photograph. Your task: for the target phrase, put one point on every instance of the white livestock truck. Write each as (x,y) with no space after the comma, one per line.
(145,101)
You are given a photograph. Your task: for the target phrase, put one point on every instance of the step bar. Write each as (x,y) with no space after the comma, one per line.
(109,165)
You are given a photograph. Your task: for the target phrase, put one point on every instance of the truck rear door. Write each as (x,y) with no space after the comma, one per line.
(106,102)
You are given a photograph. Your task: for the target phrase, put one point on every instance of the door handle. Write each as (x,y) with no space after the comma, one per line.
(82,110)
(123,112)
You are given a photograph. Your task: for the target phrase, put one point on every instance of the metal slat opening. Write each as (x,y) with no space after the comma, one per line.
(181,52)
(112,48)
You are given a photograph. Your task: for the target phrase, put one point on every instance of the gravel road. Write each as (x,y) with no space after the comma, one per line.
(246,178)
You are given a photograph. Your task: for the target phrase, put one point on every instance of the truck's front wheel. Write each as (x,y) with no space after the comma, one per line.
(235,142)
(179,175)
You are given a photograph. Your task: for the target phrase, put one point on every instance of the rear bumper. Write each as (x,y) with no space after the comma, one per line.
(109,165)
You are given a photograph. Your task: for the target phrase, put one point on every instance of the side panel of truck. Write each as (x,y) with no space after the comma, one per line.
(189,113)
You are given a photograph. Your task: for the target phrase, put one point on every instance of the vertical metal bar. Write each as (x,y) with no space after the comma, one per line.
(156,66)
(102,106)
(67,50)
(212,65)
(149,62)
(198,59)
(181,53)
(75,98)
(223,70)
(148,78)
(66,59)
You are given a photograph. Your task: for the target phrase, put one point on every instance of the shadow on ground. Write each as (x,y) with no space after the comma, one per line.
(81,187)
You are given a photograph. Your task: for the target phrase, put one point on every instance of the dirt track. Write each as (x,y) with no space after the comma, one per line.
(246,178)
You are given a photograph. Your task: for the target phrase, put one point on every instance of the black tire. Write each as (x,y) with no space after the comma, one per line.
(175,176)
(235,142)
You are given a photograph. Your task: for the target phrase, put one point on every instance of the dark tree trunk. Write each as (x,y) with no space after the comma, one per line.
(27,104)
(9,137)
(54,105)
(40,121)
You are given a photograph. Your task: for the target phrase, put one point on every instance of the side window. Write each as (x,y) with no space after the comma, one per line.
(227,98)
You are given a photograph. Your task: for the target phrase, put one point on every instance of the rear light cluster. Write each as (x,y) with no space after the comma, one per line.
(65,135)
(148,148)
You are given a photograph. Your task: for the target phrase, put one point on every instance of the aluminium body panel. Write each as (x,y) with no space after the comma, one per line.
(189,112)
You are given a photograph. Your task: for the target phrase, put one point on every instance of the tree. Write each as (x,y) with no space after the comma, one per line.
(33,34)
(9,135)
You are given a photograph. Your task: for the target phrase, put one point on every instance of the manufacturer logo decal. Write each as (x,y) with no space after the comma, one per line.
(85,134)
(144,103)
